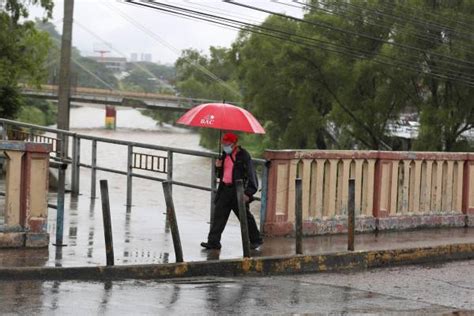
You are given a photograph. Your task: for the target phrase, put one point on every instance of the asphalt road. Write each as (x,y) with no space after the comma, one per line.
(422,290)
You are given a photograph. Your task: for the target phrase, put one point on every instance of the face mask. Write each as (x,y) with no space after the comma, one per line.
(227,149)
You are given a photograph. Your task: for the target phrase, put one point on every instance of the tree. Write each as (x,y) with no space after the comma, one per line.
(425,37)
(24,50)
(213,77)
(446,109)
(282,85)
(150,77)
(87,72)
(142,80)
(162,72)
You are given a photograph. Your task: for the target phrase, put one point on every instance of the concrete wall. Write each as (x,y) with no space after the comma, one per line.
(393,190)
(26,192)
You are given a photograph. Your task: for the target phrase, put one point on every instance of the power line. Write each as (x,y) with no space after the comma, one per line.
(94,75)
(138,65)
(403,19)
(429,39)
(220,11)
(467,26)
(240,23)
(287,37)
(175,50)
(330,27)
(86,70)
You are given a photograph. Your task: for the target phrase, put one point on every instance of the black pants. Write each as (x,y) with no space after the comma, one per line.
(225,202)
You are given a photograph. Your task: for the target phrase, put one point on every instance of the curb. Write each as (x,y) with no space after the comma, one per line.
(261,266)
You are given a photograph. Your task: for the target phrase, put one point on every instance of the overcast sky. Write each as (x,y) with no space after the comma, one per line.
(133,29)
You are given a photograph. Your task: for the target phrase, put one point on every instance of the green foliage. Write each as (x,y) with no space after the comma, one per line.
(282,84)
(316,99)
(162,116)
(199,76)
(92,74)
(23,51)
(162,72)
(31,114)
(10,100)
(17,9)
(142,80)
(445,105)
(47,108)
(150,78)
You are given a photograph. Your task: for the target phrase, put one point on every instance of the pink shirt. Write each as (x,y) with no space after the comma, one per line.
(228,167)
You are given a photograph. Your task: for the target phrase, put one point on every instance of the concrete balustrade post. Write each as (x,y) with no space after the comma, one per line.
(26,186)
(13,186)
(264,197)
(468,192)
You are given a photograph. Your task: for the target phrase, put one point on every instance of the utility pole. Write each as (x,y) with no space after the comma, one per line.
(65,71)
(63,110)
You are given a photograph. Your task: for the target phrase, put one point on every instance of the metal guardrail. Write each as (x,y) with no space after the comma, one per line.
(34,133)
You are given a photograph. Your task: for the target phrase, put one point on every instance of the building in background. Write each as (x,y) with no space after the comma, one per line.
(116,64)
(143,57)
(146,57)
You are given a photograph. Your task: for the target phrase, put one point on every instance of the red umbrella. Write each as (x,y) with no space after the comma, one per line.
(221,116)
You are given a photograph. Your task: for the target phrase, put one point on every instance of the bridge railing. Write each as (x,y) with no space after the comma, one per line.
(145,161)
(392,189)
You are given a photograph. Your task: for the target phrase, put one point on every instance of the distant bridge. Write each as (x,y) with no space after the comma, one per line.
(151,101)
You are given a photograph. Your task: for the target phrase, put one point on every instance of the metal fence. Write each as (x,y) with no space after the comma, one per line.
(150,164)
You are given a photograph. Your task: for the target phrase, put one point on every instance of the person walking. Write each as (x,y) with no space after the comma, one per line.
(235,164)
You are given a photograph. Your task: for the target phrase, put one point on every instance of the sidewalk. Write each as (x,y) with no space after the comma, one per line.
(79,254)
(141,236)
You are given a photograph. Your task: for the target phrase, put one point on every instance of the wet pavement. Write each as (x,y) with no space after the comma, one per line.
(444,289)
(142,237)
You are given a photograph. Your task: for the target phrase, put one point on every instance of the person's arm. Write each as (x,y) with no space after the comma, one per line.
(220,166)
(252,181)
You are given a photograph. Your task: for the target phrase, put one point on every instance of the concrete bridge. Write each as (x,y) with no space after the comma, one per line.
(152,101)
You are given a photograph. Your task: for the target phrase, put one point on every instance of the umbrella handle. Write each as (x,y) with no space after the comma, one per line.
(219,145)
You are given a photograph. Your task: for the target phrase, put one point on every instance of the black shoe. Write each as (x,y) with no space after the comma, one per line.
(210,246)
(256,244)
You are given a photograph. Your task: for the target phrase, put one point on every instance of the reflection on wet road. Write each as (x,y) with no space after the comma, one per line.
(437,290)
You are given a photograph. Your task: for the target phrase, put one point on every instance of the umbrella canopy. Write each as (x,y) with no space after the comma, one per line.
(221,116)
